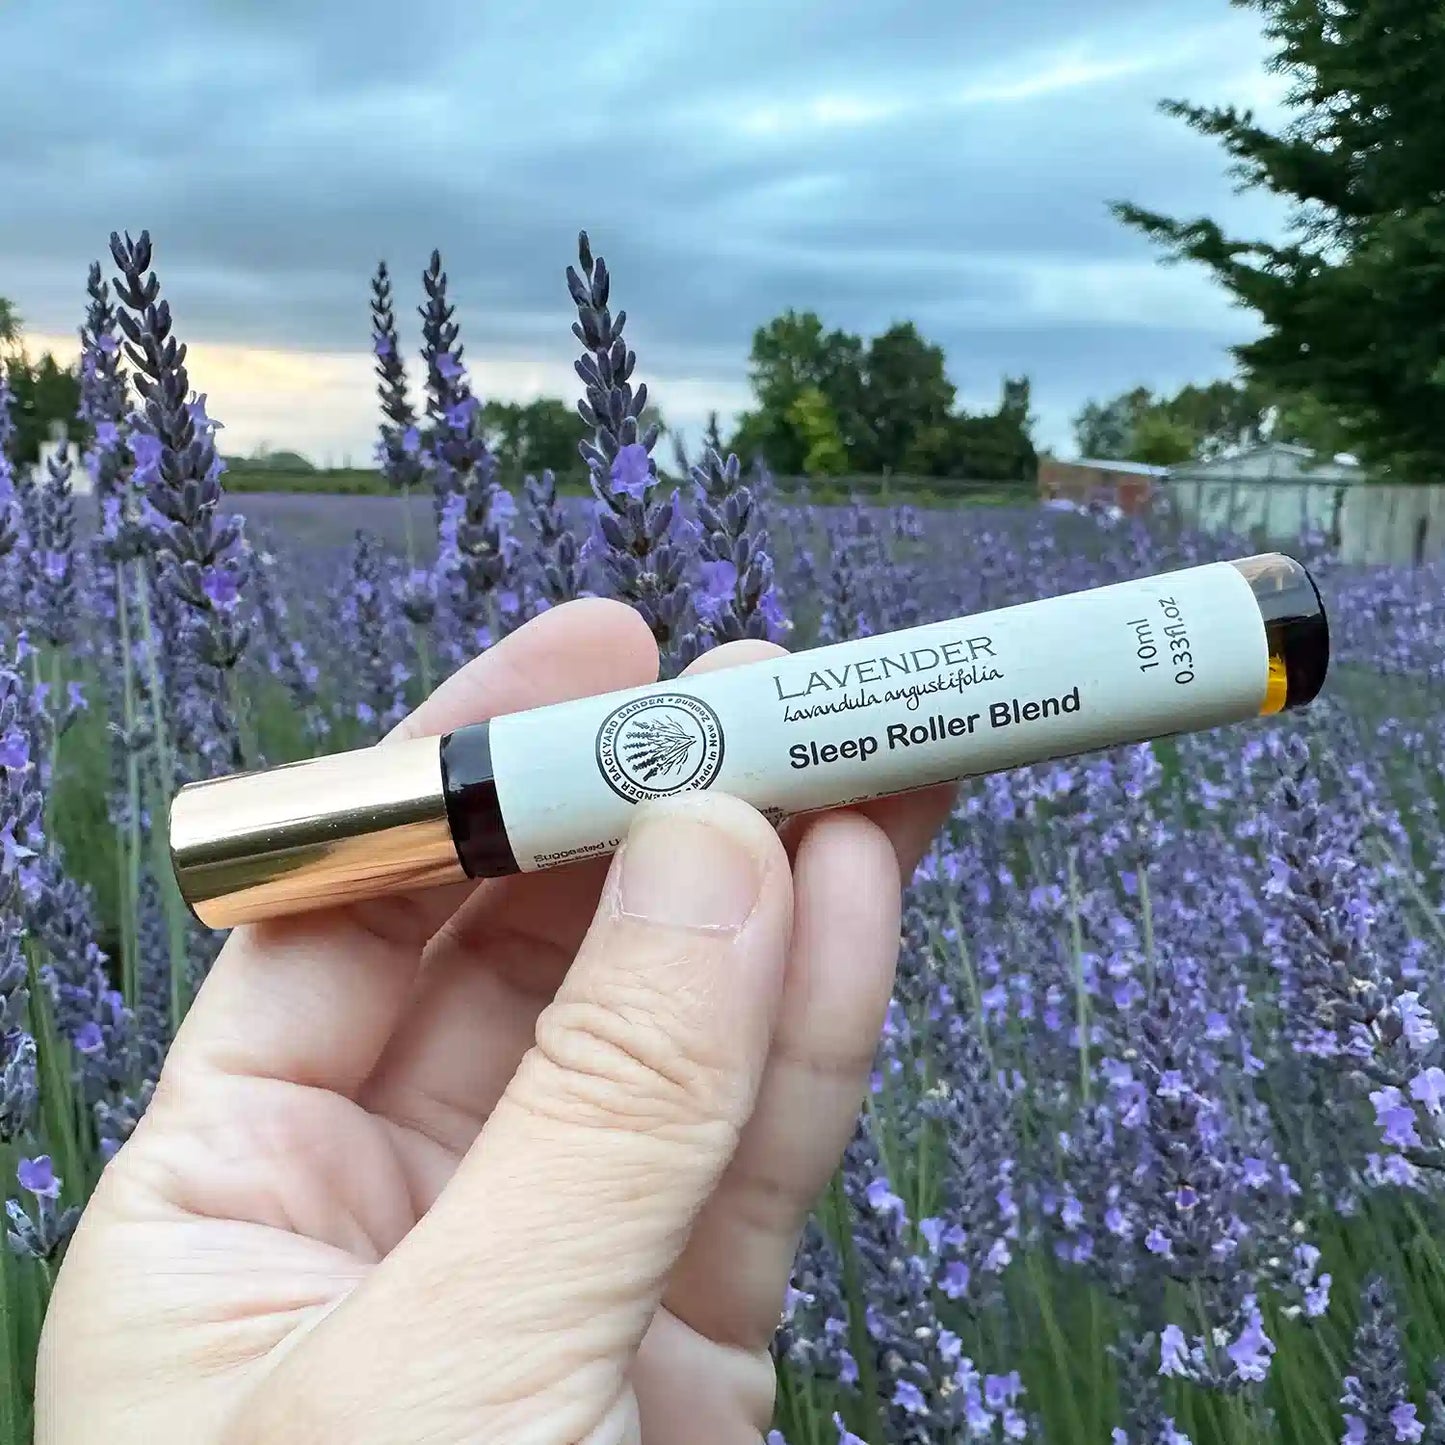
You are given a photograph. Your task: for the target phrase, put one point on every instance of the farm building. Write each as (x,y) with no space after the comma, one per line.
(1274,492)
(1126,485)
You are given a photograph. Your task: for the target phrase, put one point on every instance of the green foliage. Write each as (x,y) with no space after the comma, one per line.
(334,481)
(1218,417)
(1161,440)
(1308,422)
(532,436)
(892,405)
(45,393)
(1104,431)
(994,446)
(1203,422)
(1353,304)
(812,418)
(264,457)
(790,354)
(907,392)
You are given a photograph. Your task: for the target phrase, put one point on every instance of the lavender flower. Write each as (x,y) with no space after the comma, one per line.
(474,585)
(22,841)
(40,1228)
(739,597)
(399,450)
(23,772)
(89,1011)
(102,391)
(813,1337)
(204,558)
(19,823)
(639,535)
(283,654)
(1144,1422)
(1377,1410)
(1170,1187)
(1347,1004)
(476,563)
(554,547)
(55,598)
(975,1236)
(449,447)
(851,605)
(376,638)
(928,1389)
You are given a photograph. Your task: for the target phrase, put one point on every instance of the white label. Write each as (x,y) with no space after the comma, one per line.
(881,715)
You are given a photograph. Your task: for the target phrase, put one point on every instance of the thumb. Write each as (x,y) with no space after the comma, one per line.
(526,1290)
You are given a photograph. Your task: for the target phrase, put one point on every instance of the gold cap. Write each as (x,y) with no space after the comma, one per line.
(313,834)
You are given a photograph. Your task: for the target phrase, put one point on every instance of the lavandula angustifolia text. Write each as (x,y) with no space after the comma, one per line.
(1161,1070)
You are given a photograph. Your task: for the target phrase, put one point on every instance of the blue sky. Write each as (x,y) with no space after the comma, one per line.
(937,160)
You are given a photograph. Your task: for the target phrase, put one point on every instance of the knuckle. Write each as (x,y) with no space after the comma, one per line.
(625,1061)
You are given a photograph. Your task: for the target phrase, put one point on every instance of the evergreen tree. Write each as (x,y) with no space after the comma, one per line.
(1353,304)
(45,393)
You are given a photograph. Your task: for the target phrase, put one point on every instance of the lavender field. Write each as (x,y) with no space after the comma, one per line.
(1155,1141)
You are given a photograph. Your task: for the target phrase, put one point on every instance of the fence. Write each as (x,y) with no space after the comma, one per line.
(1368,522)
(896,489)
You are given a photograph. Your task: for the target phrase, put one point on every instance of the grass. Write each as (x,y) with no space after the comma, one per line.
(884,490)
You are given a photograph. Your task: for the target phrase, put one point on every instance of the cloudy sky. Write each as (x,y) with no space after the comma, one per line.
(945,161)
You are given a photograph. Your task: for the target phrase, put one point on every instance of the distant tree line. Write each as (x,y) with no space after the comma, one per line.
(45,392)
(1198,423)
(523,437)
(829,402)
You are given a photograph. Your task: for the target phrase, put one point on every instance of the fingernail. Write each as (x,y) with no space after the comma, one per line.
(680,871)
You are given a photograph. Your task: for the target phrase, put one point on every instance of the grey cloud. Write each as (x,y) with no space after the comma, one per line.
(276,151)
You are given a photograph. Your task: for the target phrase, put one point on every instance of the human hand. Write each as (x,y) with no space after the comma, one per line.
(523,1161)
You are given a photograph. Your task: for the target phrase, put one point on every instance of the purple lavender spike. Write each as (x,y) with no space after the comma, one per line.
(399,448)
(640,540)
(1378,1410)
(555,558)
(204,560)
(739,597)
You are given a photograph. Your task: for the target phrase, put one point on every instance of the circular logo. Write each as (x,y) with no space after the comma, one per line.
(654,746)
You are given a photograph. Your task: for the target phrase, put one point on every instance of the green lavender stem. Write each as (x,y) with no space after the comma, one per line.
(130,841)
(1081,994)
(11,1283)
(175,909)
(858,1342)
